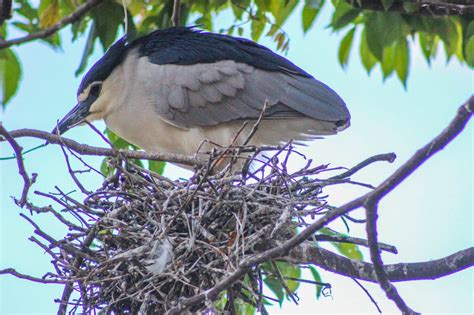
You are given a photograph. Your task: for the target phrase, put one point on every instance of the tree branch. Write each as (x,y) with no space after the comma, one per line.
(371,208)
(5,10)
(71,18)
(85,149)
(420,7)
(308,253)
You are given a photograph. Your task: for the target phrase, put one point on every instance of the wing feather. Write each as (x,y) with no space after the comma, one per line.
(209,94)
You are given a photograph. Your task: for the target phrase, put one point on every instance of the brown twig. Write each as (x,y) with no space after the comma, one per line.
(71,18)
(17,274)
(368,294)
(354,240)
(27,181)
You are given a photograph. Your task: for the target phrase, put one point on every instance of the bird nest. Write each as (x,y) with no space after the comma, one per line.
(144,243)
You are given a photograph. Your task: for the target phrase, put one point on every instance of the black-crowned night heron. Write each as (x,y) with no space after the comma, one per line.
(173,88)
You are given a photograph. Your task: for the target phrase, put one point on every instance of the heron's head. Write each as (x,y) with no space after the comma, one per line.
(90,94)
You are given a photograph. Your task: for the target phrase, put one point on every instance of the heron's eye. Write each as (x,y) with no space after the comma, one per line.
(95,90)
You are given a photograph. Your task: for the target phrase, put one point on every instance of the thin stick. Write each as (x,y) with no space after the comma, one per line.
(27,181)
(176,16)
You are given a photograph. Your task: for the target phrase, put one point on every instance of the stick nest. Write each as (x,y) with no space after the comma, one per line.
(145,242)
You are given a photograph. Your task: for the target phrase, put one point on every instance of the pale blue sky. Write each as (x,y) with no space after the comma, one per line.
(429,216)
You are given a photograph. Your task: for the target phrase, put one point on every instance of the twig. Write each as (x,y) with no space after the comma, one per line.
(368,294)
(389,157)
(176,15)
(17,274)
(27,181)
(354,240)
(71,18)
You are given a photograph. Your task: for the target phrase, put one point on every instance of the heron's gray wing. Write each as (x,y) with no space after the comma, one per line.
(214,93)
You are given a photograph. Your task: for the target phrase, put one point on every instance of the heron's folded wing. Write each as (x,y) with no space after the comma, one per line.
(212,93)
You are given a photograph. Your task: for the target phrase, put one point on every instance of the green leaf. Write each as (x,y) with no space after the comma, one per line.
(281,11)
(388,59)
(256,29)
(344,14)
(105,167)
(309,16)
(25,9)
(349,250)
(447,30)
(157,166)
(275,285)
(429,45)
(10,75)
(402,60)
(367,58)
(290,271)
(469,51)
(66,7)
(317,278)
(410,7)
(221,301)
(107,18)
(243,307)
(48,13)
(387,4)
(382,29)
(345,47)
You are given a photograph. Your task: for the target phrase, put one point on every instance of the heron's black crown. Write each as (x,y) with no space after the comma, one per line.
(105,65)
(188,46)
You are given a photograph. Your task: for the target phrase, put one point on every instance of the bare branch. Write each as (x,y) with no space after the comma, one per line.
(308,253)
(389,157)
(17,274)
(5,10)
(71,18)
(354,240)
(420,7)
(380,274)
(85,149)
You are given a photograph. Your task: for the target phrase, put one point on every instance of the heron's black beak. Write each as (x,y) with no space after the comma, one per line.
(75,117)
